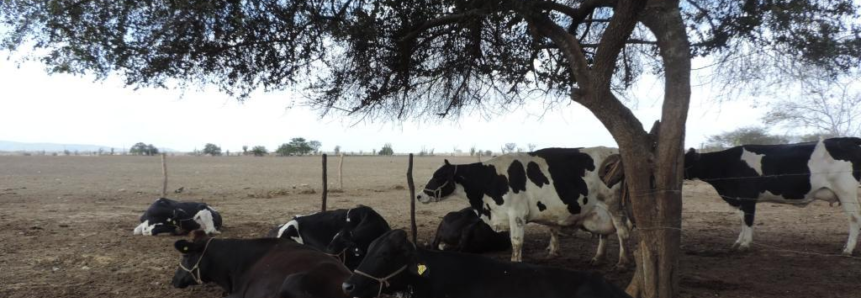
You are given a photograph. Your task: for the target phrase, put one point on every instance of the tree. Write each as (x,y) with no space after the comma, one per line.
(400,59)
(259,151)
(387,150)
(828,106)
(531,147)
(244,149)
(211,149)
(297,146)
(315,146)
(745,136)
(337,150)
(472,151)
(143,149)
(508,148)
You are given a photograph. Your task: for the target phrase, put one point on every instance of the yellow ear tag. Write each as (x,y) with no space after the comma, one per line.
(422,268)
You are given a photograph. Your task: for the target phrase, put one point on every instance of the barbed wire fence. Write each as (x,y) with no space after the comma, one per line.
(802,202)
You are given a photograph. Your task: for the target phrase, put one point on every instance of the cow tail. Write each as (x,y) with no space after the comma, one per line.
(627,208)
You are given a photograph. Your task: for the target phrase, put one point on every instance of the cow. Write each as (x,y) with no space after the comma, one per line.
(178,218)
(363,225)
(263,268)
(556,187)
(794,174)
(463,231)
(396,265)
(344,233)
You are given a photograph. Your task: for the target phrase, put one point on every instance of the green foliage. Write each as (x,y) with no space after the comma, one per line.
(143,149)
(244,149)
(408,58)
(337,149)
(298,146)
(211,149)
(745,136)
(387,150)
(259,151)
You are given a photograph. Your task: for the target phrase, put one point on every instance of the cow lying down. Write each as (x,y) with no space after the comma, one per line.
(343,233)
(394,264)
(262,268)
(463,231)
(178,218)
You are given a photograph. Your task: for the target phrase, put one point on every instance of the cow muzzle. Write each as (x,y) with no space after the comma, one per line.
(426,199)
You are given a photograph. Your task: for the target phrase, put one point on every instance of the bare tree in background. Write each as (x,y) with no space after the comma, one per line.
(828,106)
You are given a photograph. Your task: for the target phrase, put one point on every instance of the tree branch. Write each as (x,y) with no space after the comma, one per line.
(614,38)
(442,21)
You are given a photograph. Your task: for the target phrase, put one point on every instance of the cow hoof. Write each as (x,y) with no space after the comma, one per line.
(595,262)
(621,267)
(847,253)
(552,256)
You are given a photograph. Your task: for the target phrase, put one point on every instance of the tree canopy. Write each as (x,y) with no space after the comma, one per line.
(412,57)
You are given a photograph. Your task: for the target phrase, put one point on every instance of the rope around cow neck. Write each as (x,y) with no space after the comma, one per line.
(199,278)
(384,282)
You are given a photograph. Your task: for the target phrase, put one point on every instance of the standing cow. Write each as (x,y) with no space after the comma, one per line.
(795,174)
(555,187)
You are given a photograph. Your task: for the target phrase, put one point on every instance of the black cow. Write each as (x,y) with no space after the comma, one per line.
(394,264)
(795,174)
(178,218)
(363,226)
(464,231)
(555,187)
(345,233)
(262,268)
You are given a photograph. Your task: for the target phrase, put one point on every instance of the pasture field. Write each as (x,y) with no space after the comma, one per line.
(66,225)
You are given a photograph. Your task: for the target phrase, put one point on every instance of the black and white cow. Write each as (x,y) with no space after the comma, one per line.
(259,268)
(174,217)
(464,231)
(795,174)
(345,233)
(396,265)
(556,187)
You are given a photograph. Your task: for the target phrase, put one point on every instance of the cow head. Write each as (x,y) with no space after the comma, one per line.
(391,261)
(345,248)
(692,158)
(440,186)
(193,265)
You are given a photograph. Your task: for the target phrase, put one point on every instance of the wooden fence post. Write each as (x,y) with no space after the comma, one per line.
(325,184)
(341,173)
(412,199)
(164,173)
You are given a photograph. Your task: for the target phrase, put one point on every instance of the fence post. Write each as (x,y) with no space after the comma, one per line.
(164,173)
(341,173)
(412,199)
(325,184)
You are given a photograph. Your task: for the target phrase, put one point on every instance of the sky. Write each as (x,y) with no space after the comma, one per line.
(39,108)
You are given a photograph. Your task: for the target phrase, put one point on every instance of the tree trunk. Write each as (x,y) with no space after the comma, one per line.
(655,175)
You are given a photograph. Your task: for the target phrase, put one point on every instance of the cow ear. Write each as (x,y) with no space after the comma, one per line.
(184,246)
(693,154)
(447,163)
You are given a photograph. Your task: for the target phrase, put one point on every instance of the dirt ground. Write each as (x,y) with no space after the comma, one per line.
(66,225)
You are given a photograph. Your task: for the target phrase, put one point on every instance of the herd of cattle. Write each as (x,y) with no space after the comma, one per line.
(355,253)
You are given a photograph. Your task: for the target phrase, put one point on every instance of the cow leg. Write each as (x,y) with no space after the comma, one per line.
(517,225)
(602,249)
(553,247)
(746,211)
(623,234)
(623,253)
(849,200)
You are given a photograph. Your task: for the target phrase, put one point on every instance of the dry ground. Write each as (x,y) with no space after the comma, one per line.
(66,226)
